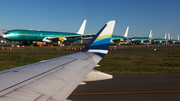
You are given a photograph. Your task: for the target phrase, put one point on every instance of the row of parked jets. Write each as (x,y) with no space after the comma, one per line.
(62,37)
(55,79)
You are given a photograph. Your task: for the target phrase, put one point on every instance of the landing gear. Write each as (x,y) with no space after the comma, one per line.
(13,44)
(60,43)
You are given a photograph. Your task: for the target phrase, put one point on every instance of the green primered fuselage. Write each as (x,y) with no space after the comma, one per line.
(159,40)
(174,41)
(114,37)
(140,39)
(33,35)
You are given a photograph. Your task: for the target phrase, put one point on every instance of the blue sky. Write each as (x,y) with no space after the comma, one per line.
(141,16)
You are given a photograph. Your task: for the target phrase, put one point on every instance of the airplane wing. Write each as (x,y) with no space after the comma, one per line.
(55,39)
(82,36)
(54,79)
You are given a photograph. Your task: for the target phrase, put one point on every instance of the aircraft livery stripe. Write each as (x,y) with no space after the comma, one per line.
(104,36)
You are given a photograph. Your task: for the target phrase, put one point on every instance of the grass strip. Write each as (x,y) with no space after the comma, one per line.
(111,63)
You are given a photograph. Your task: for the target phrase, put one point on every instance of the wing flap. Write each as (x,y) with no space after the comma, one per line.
(23,95)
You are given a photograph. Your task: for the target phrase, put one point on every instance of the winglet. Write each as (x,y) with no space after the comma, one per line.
(126,33)
(82,28)
(100,42)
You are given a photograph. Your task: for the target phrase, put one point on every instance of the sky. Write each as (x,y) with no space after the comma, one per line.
(160,16)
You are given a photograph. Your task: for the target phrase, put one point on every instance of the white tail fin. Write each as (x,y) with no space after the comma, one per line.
(150,34)
(169,36)
(82,28)
(165,36)
(126,33)
(178,37)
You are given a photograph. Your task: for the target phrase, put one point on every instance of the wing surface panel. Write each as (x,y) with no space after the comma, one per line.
(14,79)
(62,81)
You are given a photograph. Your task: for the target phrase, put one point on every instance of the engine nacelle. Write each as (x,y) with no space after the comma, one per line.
(121,40)
(95,75)
(61,38)
(46,40)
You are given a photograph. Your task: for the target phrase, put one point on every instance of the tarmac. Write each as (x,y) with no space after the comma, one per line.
(131,87)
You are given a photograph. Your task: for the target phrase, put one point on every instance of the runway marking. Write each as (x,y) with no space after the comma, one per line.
(127,92)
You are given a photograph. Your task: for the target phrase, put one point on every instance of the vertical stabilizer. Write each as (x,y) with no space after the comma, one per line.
(150,34)
(165,35)
(82,28)
(100,43)
(126,33)
(178,37)
(169,36)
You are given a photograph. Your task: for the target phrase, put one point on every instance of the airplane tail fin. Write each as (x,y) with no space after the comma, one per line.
(82,28)
(165,36)
(150,34)
(100,43)
(126,33)
(178,37)
(169,36)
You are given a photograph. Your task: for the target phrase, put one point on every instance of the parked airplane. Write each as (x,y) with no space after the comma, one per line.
(142,40)
(117,38)
(55,79)
(175,41)
(45,36)
(160,40)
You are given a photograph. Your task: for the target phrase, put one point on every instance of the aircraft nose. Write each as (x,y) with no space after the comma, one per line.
(4,36)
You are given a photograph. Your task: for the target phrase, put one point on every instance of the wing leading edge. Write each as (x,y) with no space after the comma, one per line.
(55,79)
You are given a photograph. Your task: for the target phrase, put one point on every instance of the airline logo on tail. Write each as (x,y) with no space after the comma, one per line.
(100,43)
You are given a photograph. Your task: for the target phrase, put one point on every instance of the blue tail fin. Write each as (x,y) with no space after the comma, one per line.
(100,43)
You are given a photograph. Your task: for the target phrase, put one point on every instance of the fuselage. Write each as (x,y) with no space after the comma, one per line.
(34,35)
(174,41)
(159,40)
(140,39)
(114,37)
